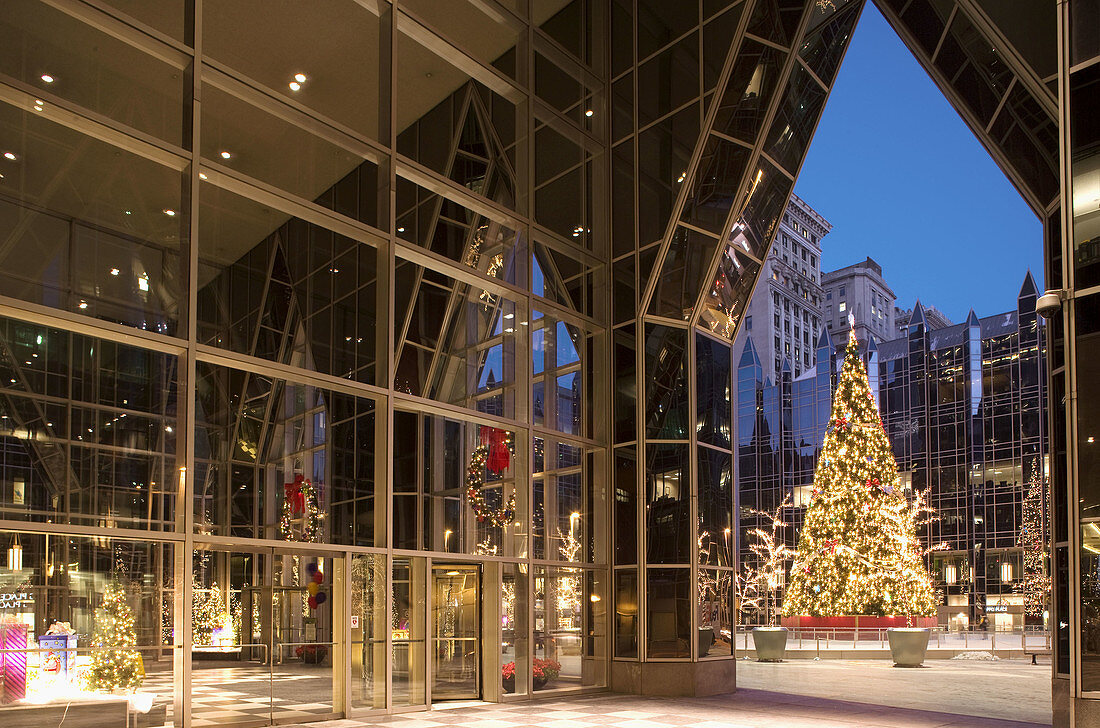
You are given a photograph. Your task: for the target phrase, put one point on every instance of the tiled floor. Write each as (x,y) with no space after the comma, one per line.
(744,709)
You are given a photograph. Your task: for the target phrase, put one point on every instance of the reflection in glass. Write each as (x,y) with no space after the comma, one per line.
(270,45)
(281,460)
(733,282)
(666,403)
(715,612)
(1090,606)
(514,644)
(91,229)
(431,502)
(408,630)
(456,632)
(749,91)
(715,482)
(1085,136)
(88,430)
(78,586)
(283,289)
(369,623)
(557,350)
(682,273)
(668,612)
(668,519)
(626,613)
(95,69)
(713,384)
(626,506)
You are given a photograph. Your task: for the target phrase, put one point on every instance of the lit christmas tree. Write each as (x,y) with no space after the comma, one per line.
(858,551)
(208,613)
(1036,582)
(113,669)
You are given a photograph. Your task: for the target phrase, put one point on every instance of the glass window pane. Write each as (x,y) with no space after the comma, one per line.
(626,613)
(286,461)
(409,623)
(795,120)
(715,613)
(715,185)
(664,152)
(660,22)
(669,80)
(666,383)
(713,383)
(626,506)
(107,242)
(749,90)
(1085,136)
(1090,606)
(716,539)
(682,274)
(368,630)
(281,288)
(253,135)
(85,584)
(94,430)
(62,56)
(668,521)
(668,613)
(447,227)
(272,45)
(486,35)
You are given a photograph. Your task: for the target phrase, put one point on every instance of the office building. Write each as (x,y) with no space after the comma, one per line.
(933,319)
(858,293)
(784,313)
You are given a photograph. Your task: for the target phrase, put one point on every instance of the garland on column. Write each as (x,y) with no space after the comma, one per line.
(493,454)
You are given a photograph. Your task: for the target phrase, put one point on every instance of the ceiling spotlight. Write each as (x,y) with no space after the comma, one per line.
(114,271)
(588,113)
(128,212)
(226,155)
(37,107)
(202,175)
(47,78)
(10,156)
(295,86)
(300,77)
(83,305)
(169,212)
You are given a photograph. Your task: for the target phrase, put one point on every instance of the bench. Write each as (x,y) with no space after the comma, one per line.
(1034,653)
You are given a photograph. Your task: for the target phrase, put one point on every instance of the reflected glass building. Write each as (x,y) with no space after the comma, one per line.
(380,354)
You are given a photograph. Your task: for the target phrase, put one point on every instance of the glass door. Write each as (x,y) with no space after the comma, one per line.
(456,632)
(263,641)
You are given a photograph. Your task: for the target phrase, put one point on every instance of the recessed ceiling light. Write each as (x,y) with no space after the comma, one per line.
(128,212)
(114,271)
(37,107)
(295,86)
(10,155)
(226,155)
(588,113)
(47,78)
(300,77)
(83,305)
(202,175)
(170,213)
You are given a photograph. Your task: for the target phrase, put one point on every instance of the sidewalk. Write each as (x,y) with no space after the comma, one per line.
(744,709)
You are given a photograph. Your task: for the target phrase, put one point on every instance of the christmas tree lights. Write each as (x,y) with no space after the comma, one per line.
(1036,581)
(763,579)
(858,551)
(113,669)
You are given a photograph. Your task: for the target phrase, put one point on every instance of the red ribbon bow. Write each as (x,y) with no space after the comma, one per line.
(295,495)
(500,457)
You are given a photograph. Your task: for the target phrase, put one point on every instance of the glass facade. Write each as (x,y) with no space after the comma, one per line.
(325,356)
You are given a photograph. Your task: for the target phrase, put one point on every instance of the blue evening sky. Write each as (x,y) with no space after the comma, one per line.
(903,180)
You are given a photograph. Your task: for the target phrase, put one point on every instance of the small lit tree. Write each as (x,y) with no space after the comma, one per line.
(761,581)
(115,664)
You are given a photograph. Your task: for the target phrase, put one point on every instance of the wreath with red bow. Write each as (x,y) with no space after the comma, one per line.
(493,454)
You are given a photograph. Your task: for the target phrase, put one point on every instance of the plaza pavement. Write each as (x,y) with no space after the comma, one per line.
(795,694)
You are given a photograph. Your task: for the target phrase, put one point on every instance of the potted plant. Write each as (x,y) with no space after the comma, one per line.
(760,585)
(508,677)
(545,672)
(312,654)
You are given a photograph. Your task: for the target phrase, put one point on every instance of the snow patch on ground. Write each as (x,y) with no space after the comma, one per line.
(975,655)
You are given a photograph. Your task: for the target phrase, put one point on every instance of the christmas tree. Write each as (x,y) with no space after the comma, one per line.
(858,551)
(207,613)
(1036,582)
(112,669)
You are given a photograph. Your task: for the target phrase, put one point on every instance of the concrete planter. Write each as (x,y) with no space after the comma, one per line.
(770,642)
(908,645)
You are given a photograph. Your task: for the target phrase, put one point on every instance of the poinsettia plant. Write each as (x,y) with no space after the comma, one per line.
(508,671)
(547,670)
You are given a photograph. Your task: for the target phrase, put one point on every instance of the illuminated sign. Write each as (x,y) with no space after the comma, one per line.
(399,634)
(997,608)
